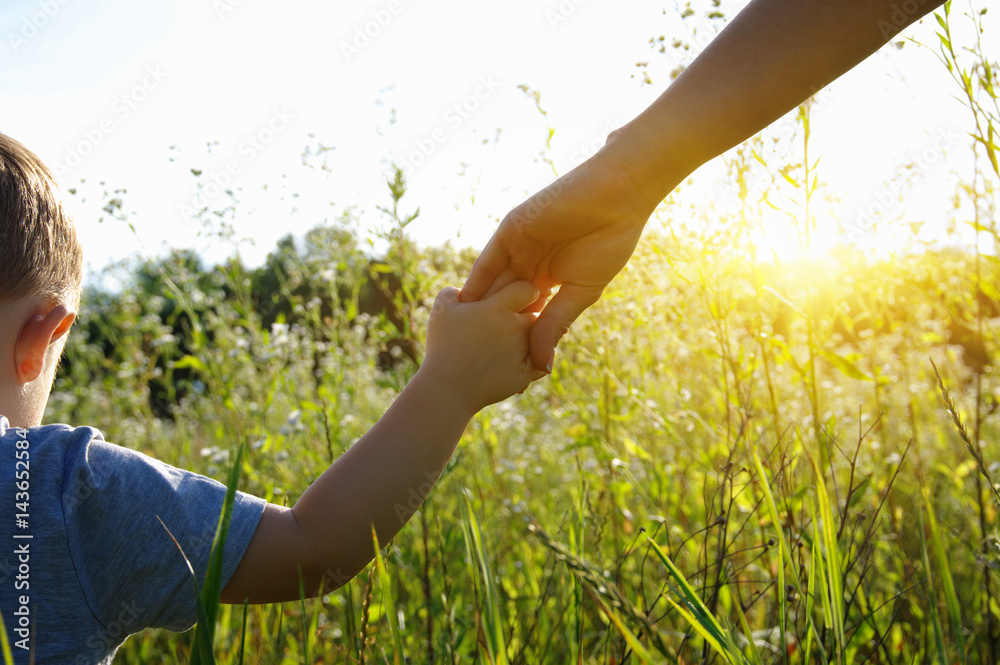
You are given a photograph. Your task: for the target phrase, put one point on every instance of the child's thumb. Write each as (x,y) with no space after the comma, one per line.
(446,297)
(517,295)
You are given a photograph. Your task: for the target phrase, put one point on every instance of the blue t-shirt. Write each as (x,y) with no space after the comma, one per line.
(84,562)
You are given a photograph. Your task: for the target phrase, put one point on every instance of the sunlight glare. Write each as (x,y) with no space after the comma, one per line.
(779,240)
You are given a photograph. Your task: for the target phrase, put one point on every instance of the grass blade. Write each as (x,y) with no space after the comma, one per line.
(477,554)
(8,657)
(785,555)
(388,602)
(834,583)
(695,612)
(212,587)
(243,634)
(942,658)
(201,648)
(630,638)
(947,583)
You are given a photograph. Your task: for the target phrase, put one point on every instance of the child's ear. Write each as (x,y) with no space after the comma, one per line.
(38,332)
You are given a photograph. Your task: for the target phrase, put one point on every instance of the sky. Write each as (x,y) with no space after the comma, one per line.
(137,95)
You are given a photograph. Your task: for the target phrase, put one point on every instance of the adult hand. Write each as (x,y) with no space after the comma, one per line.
(576,234)
(579,231)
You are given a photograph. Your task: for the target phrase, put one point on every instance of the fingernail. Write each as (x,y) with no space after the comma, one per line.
(552,359)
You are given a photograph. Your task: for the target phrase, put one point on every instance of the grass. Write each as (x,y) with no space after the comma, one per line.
(661,498)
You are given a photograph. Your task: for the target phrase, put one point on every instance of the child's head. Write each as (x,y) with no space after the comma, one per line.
(41,271)
(41,255)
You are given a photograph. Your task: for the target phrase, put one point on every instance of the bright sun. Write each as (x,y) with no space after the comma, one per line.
(778,239)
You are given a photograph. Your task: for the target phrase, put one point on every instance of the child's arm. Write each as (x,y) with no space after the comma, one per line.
(477,354)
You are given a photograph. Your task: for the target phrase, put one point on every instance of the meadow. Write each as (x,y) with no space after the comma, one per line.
(738,457)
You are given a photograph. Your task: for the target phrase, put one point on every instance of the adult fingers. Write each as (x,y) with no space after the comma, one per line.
(555,319)
(517,295)
(500,282)
(485,270)
(512,253)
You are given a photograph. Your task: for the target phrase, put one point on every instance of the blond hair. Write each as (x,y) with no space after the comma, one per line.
(39,252)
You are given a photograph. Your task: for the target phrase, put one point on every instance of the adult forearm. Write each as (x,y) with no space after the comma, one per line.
(381,480)
(772,56)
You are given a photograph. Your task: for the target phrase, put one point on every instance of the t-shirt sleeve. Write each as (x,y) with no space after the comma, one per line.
(124,558)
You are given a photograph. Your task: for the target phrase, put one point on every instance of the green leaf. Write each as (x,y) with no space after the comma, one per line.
(190,361)
(845,366)
(8,657)
(792,181)
(635,450)
(693,610)
(784,300)
(859,491)
(633,642)
(385,583)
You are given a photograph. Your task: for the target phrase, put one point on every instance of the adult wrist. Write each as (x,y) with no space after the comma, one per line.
(644,163)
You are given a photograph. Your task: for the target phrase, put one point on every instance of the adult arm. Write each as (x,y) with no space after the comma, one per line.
(579,232)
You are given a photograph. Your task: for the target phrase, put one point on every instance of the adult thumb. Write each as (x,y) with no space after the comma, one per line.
(555,320)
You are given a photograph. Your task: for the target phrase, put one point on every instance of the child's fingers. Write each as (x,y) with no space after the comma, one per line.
(517,295)
(539,304)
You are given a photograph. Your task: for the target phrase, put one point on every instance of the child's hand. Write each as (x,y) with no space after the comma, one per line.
(479,350)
